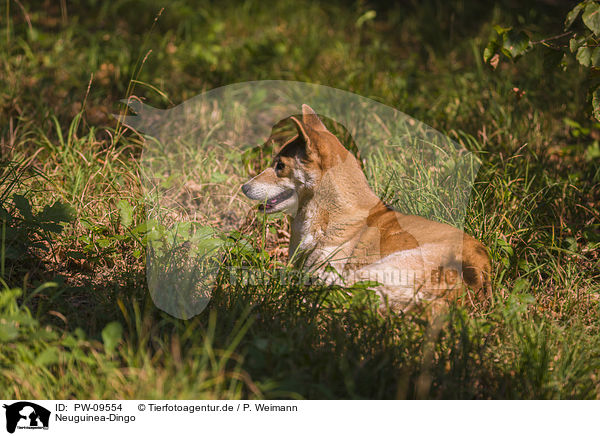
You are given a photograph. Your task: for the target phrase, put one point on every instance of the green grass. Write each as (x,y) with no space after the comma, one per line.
(74,229)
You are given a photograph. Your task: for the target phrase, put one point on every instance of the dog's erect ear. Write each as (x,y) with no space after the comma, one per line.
(311,119)
(302,131)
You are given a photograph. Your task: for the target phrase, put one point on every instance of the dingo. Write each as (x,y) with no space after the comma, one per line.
(337,219)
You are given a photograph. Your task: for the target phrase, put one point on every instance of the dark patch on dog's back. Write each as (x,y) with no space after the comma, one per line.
(393,237)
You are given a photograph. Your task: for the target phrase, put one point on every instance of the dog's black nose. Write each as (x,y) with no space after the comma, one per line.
(245,189)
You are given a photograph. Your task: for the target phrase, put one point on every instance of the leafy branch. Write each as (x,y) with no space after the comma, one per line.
(581,26)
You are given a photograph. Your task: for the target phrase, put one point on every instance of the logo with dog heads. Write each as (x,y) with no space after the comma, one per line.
(26,415)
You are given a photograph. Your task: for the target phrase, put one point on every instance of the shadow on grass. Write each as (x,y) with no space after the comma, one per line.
(291,341)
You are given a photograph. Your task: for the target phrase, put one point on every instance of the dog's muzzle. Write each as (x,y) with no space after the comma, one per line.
(245,189)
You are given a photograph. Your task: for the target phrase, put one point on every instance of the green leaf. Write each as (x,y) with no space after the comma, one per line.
(596,103)
(595,56)
(570,243)
(515,43)
(206,246)
(47,357)
(488,53)
(104,242)
(506,247)
(8,332)
(520,285)
(494,43)
(592,151)
(589,56)
(584,56)
(524,265)
(591,17)
(141,228)
(501,30)
(111,336)
(126,212)
(576,42)
(573,14)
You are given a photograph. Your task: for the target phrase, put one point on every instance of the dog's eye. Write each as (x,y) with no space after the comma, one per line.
(279,166)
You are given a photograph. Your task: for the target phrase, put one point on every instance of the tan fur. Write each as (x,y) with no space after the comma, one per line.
(337,219)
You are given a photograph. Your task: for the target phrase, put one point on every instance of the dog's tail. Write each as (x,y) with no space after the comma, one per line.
(477,270)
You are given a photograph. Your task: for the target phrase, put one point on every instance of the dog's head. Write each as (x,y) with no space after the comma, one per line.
(298,167)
